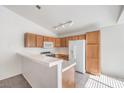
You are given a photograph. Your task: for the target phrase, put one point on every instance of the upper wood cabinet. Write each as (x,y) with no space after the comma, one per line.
(75,38)
(63,42)
(93,37)
(66,41)
(39,41)
(49,39)
(32,40)
(57,42)
(82,37)
(29,40)
(45,38)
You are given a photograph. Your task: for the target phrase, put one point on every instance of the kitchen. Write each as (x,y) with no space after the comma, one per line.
(68,65)
(44,46)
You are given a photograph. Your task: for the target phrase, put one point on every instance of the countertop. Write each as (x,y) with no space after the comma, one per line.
(47,61)
(42,59)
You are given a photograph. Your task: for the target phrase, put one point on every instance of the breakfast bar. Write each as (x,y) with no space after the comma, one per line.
(47,72)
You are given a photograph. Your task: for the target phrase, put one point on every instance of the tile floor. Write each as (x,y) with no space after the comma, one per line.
(102,81)
(82,81)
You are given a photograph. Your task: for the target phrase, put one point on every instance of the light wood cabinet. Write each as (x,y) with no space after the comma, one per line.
(70,38)
(62,56)
(66,41)
(63,42)
(39,41)
(93,52)
(82,37)
(57,42)
(33,40)
(75,38)
(93,67)
(68,78)
(46,38)
(93,37)
(29,40)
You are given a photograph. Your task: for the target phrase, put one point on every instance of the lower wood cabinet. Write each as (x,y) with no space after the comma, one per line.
(62,56)
(93,66)
(68,78)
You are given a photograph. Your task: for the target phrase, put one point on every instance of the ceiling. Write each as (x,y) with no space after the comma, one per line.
(84,17)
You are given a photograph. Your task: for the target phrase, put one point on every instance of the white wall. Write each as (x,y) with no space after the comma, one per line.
(112,50)
(12,29)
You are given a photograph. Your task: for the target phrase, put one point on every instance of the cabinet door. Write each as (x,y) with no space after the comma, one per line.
(92,66)
(63,42)
(30,40)
(53,40)
(50,39)
(92,59)
(39,40)
(57,42)
(66,41)
(76,37)
(68,78)
(92,51)
(81,37)
(45,38)
(93,37)
(70,38)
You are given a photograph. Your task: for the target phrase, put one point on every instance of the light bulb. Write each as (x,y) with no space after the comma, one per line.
(63,26)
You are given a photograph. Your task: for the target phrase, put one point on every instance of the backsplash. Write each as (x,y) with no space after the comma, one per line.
(61,50)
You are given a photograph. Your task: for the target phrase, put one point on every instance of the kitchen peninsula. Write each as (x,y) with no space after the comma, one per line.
(42,71)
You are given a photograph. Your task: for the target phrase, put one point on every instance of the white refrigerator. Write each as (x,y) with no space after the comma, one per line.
(77,54)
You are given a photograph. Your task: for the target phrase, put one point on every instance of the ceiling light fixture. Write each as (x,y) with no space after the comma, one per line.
(63,25)
(38,7)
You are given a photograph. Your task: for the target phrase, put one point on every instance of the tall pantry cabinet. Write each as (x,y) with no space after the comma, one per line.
(93,52)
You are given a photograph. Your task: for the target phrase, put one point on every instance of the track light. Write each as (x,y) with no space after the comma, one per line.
(63,25)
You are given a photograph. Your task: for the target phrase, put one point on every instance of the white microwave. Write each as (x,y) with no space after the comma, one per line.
(48,44)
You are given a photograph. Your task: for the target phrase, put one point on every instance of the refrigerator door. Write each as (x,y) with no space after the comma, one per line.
(80,60)
(77,54)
